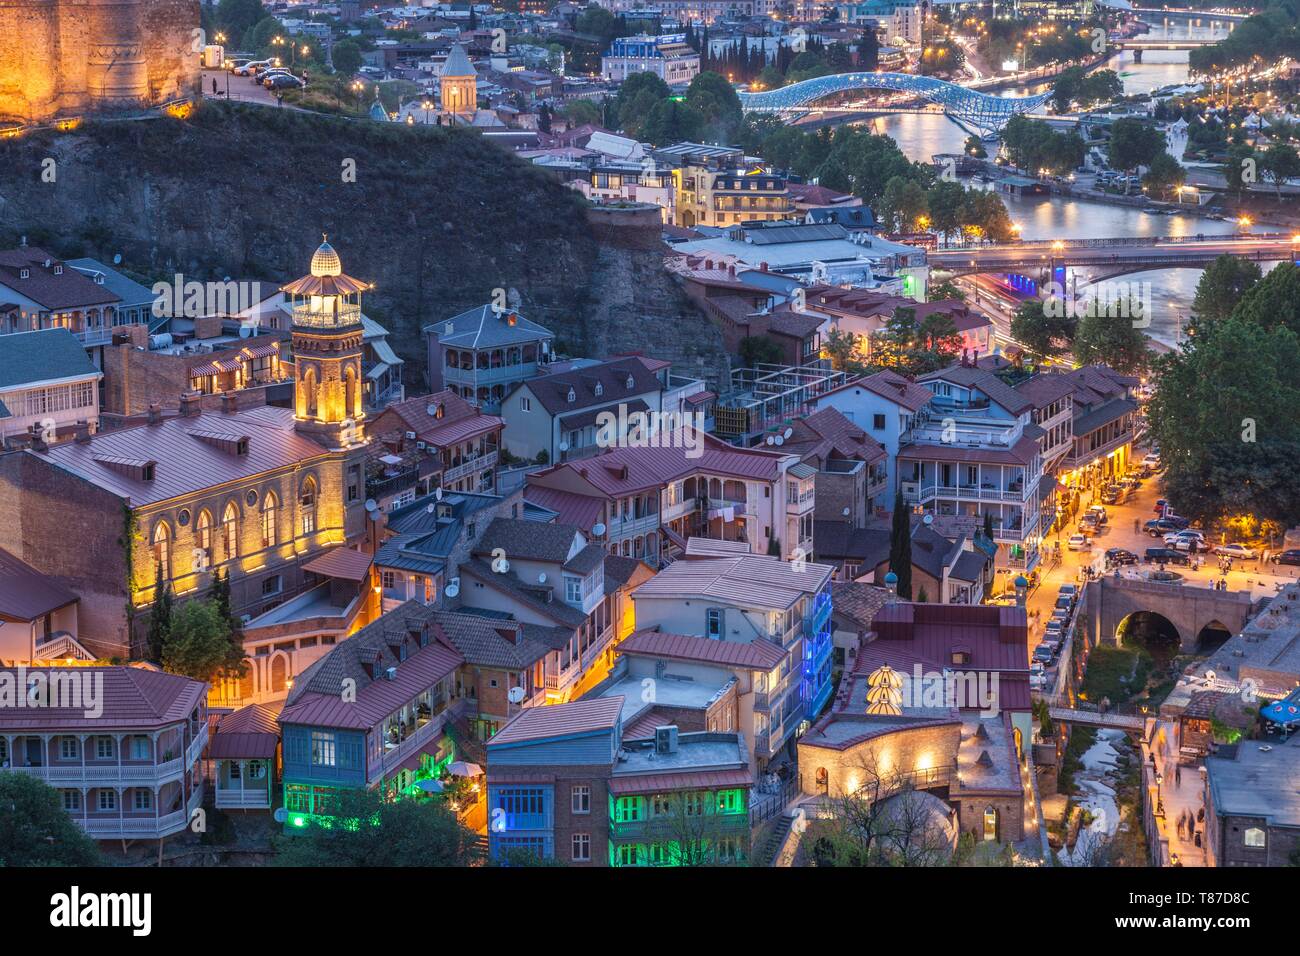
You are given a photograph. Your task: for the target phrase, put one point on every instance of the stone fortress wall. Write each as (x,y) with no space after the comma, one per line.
(70,58)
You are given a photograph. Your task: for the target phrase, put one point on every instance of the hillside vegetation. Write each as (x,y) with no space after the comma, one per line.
(436,218)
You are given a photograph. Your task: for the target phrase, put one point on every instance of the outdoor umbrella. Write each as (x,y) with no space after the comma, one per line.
(463,768)
(430,786)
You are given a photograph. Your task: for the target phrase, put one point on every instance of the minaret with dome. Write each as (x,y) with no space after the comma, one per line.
(327,345)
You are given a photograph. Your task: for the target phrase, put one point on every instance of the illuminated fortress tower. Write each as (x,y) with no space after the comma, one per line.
(61,58)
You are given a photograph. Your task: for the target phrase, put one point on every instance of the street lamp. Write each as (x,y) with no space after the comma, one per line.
(427,106)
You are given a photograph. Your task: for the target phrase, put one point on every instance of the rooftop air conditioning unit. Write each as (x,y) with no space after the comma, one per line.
(410,436)
(391,673)
(666,739)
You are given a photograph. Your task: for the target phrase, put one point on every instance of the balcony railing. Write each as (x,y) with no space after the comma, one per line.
(670,826)
(243,799)
(413,744)
(349,313)
(482,462)
(106,826)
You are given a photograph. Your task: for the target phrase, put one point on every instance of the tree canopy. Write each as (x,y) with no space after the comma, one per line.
(35,830)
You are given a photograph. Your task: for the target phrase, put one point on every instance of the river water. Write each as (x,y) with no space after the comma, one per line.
(922,135)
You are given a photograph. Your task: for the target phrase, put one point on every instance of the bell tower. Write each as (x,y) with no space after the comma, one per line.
(327,339)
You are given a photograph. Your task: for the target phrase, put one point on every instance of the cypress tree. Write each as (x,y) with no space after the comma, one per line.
(160,615)
(900,547)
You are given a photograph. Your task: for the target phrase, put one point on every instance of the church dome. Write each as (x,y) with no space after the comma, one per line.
(325,261)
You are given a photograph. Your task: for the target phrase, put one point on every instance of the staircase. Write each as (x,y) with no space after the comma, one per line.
(468,746)
(764,854)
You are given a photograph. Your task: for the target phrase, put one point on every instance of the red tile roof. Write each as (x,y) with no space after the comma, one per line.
(560,720)
(129,698)
(68,290)
(758,655)
(185,462)
(341,562)
(459,421)
(25,593)
(582,511)
(250,733)
(1021,453)
(621,784)
(892,386)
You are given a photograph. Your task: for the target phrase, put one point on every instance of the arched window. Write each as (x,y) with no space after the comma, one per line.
(309,392)
(270,513)
(350,392)
(230,531)
(990,823)
(307,506)
(203,537)
(162,547)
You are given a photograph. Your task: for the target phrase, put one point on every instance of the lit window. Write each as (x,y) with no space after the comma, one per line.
(1255,837)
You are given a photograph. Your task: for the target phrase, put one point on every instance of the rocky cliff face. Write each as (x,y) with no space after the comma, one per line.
(436,218)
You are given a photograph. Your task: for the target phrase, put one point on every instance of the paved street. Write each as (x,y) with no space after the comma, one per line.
(1119,532)
(229,86)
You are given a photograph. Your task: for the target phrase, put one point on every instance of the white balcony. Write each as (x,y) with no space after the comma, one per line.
(470,466)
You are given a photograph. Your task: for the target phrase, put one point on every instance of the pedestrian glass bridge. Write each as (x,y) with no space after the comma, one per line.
(980,111)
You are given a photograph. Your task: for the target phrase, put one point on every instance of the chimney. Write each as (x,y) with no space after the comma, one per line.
(228,404)
(38,439)
(155,413)
(190,403)
(83,432)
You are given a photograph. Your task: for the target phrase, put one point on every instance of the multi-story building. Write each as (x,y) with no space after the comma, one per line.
(649,501)
(667,57)
(483,353)
(551,579)
(852,467)
(48,385)
(715,186)
(566,783)
(38,617)
(557,417)
(895,20)
(745,599)
(439,441)
(884,405)
(50,294)
(258,492)
(388,732)
(863,313)
(1252,813)
(131,772)
(974,450)
(1103,426)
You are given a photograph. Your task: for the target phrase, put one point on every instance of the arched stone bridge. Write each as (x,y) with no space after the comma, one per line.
(1189,609)
(981,111)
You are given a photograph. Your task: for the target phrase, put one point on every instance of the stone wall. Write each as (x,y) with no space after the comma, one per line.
(64,58)
(906,750)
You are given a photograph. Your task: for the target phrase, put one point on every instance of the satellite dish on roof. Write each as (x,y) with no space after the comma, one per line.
(928,519)
(1210,675)
(117,258)
(598,528)
(788,432)
(437,492)
(845,512)
(779,440)
(451,590)
(280,815)
(564,446)
(516,695)
(771,440)
(541,578)
(371,505)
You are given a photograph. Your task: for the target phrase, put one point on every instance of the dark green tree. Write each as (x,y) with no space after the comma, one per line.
(1042,334)
(367,830)
(900,547)
(35,830)
(1134,143)
(1223,284)
(199,644)
(1102,337)
(346,57)
(160,614)
(1273,300)
(759,349)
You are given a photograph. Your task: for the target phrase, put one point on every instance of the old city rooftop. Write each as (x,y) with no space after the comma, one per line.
(181,455)
(749,579)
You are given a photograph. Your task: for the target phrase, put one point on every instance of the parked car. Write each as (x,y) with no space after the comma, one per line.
(1043,654)
(1079,542)
(284,81)
(1064,602)
(1160,527)
(1071,590)
(1037,675)
(1152,461)
(1235,550)
(1098,512)
(1289,556)
(1166,556)
(1160,505)
(251,67)
(1111,496)
(1120,556)
(1183,536)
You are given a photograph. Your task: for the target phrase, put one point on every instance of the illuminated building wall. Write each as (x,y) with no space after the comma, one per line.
(63,58)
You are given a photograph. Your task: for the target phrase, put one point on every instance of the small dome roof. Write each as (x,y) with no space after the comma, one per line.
(325,262)
(1021,581)
(891,578)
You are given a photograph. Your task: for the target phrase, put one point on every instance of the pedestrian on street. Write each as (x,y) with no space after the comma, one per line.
(214,86)
(1178,775)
